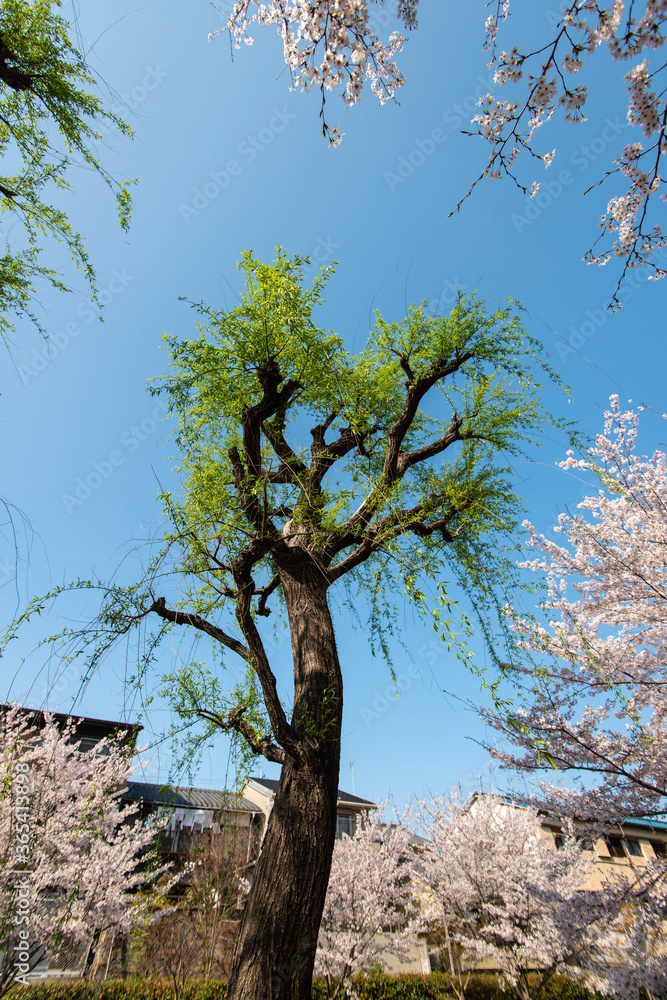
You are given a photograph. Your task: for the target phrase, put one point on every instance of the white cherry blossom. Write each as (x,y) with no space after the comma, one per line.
(70,850)
(332,45)
(370,887)
(597,661)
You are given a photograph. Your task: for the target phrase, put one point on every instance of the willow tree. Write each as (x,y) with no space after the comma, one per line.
(305,467)
(50,120)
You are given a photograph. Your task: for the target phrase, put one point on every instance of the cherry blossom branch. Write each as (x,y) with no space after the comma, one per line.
(501,122)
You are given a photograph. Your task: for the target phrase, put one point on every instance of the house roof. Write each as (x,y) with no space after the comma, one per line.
(644,821)
(271,785)
(188,798)
(84,725)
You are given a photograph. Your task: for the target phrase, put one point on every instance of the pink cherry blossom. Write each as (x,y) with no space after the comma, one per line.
(596,660)
(502,892)
(370,887)
(73,856)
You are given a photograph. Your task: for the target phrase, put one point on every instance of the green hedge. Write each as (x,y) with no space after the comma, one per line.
(376,986)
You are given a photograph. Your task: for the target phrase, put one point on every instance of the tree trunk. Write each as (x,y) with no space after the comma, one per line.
(275,949)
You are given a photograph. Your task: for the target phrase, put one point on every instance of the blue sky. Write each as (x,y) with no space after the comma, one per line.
(228,159)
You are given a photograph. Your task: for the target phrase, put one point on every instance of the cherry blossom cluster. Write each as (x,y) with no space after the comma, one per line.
(369,888)
(502,892)
(70,849)
(637,940)
(328,45)
(510,125)
(598,664)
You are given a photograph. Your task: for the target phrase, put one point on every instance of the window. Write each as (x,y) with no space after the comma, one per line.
(633,848)
(344,824)
(559,841)
(86,743)
(659,848)
(615,847)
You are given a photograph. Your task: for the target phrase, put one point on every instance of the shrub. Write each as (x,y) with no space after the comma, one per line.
(376,986)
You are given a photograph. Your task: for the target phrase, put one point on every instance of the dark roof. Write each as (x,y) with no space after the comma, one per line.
(415,839)
(187,798)
(272,785)
(84,726)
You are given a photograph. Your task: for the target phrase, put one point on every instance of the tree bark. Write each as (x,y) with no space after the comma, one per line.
(275,950)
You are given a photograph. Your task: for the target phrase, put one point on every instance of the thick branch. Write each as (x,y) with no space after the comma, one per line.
(325,455)
(417,389)
(284,733)
(186,618)
(292,467)
(9,74)
(257,516)
(396,461)
(258,744)
(453,433)
(387,528)
(272,403)
(256,419)
(264,593)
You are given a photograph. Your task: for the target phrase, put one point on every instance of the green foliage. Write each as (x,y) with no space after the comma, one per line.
(327,713)
(49,122)
(216,377)
(376,986)
(285,434)
(201,705)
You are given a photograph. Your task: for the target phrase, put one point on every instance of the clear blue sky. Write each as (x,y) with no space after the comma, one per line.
(228,159)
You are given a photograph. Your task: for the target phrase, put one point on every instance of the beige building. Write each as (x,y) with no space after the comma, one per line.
(630,845)
(261,791)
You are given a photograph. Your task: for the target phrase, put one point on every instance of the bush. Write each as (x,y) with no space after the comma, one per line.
(376,986)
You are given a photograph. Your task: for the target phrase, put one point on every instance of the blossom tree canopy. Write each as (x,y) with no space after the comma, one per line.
(334,45)
(74,859)
(598,673)
(370,888)
(502,889)
(636,940)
